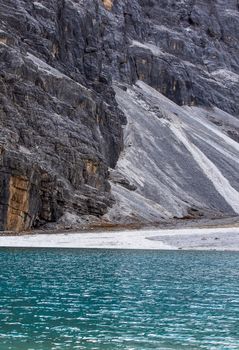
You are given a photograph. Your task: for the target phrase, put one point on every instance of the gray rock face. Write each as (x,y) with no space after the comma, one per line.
(187,50)
(61,125)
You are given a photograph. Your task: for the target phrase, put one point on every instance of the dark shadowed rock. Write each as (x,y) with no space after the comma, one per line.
(60,126)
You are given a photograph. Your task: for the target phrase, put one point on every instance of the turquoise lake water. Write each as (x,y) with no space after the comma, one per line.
(109,300)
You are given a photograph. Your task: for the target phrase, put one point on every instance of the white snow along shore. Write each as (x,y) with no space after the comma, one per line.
(173,239)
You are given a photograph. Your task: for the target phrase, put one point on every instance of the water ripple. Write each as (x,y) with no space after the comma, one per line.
(109,300)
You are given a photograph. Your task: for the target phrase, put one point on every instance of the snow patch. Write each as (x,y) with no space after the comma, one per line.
(39,5)
(24,150)
(224,74)
(154,49)
(41,65)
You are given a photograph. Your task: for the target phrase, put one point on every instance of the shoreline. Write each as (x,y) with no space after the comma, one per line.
(216,238)
(172,224)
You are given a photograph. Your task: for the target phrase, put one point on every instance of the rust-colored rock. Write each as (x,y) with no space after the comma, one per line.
(91,167)
(18,204)
(108,4)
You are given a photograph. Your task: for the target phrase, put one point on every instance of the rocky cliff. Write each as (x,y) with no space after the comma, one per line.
(116,109)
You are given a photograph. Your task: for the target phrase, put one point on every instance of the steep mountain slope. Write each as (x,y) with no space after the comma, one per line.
(177,161)
(61,122)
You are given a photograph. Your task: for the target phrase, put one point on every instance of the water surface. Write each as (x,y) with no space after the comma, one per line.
(109,300)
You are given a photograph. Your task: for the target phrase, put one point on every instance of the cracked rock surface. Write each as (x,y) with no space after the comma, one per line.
(73,73)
